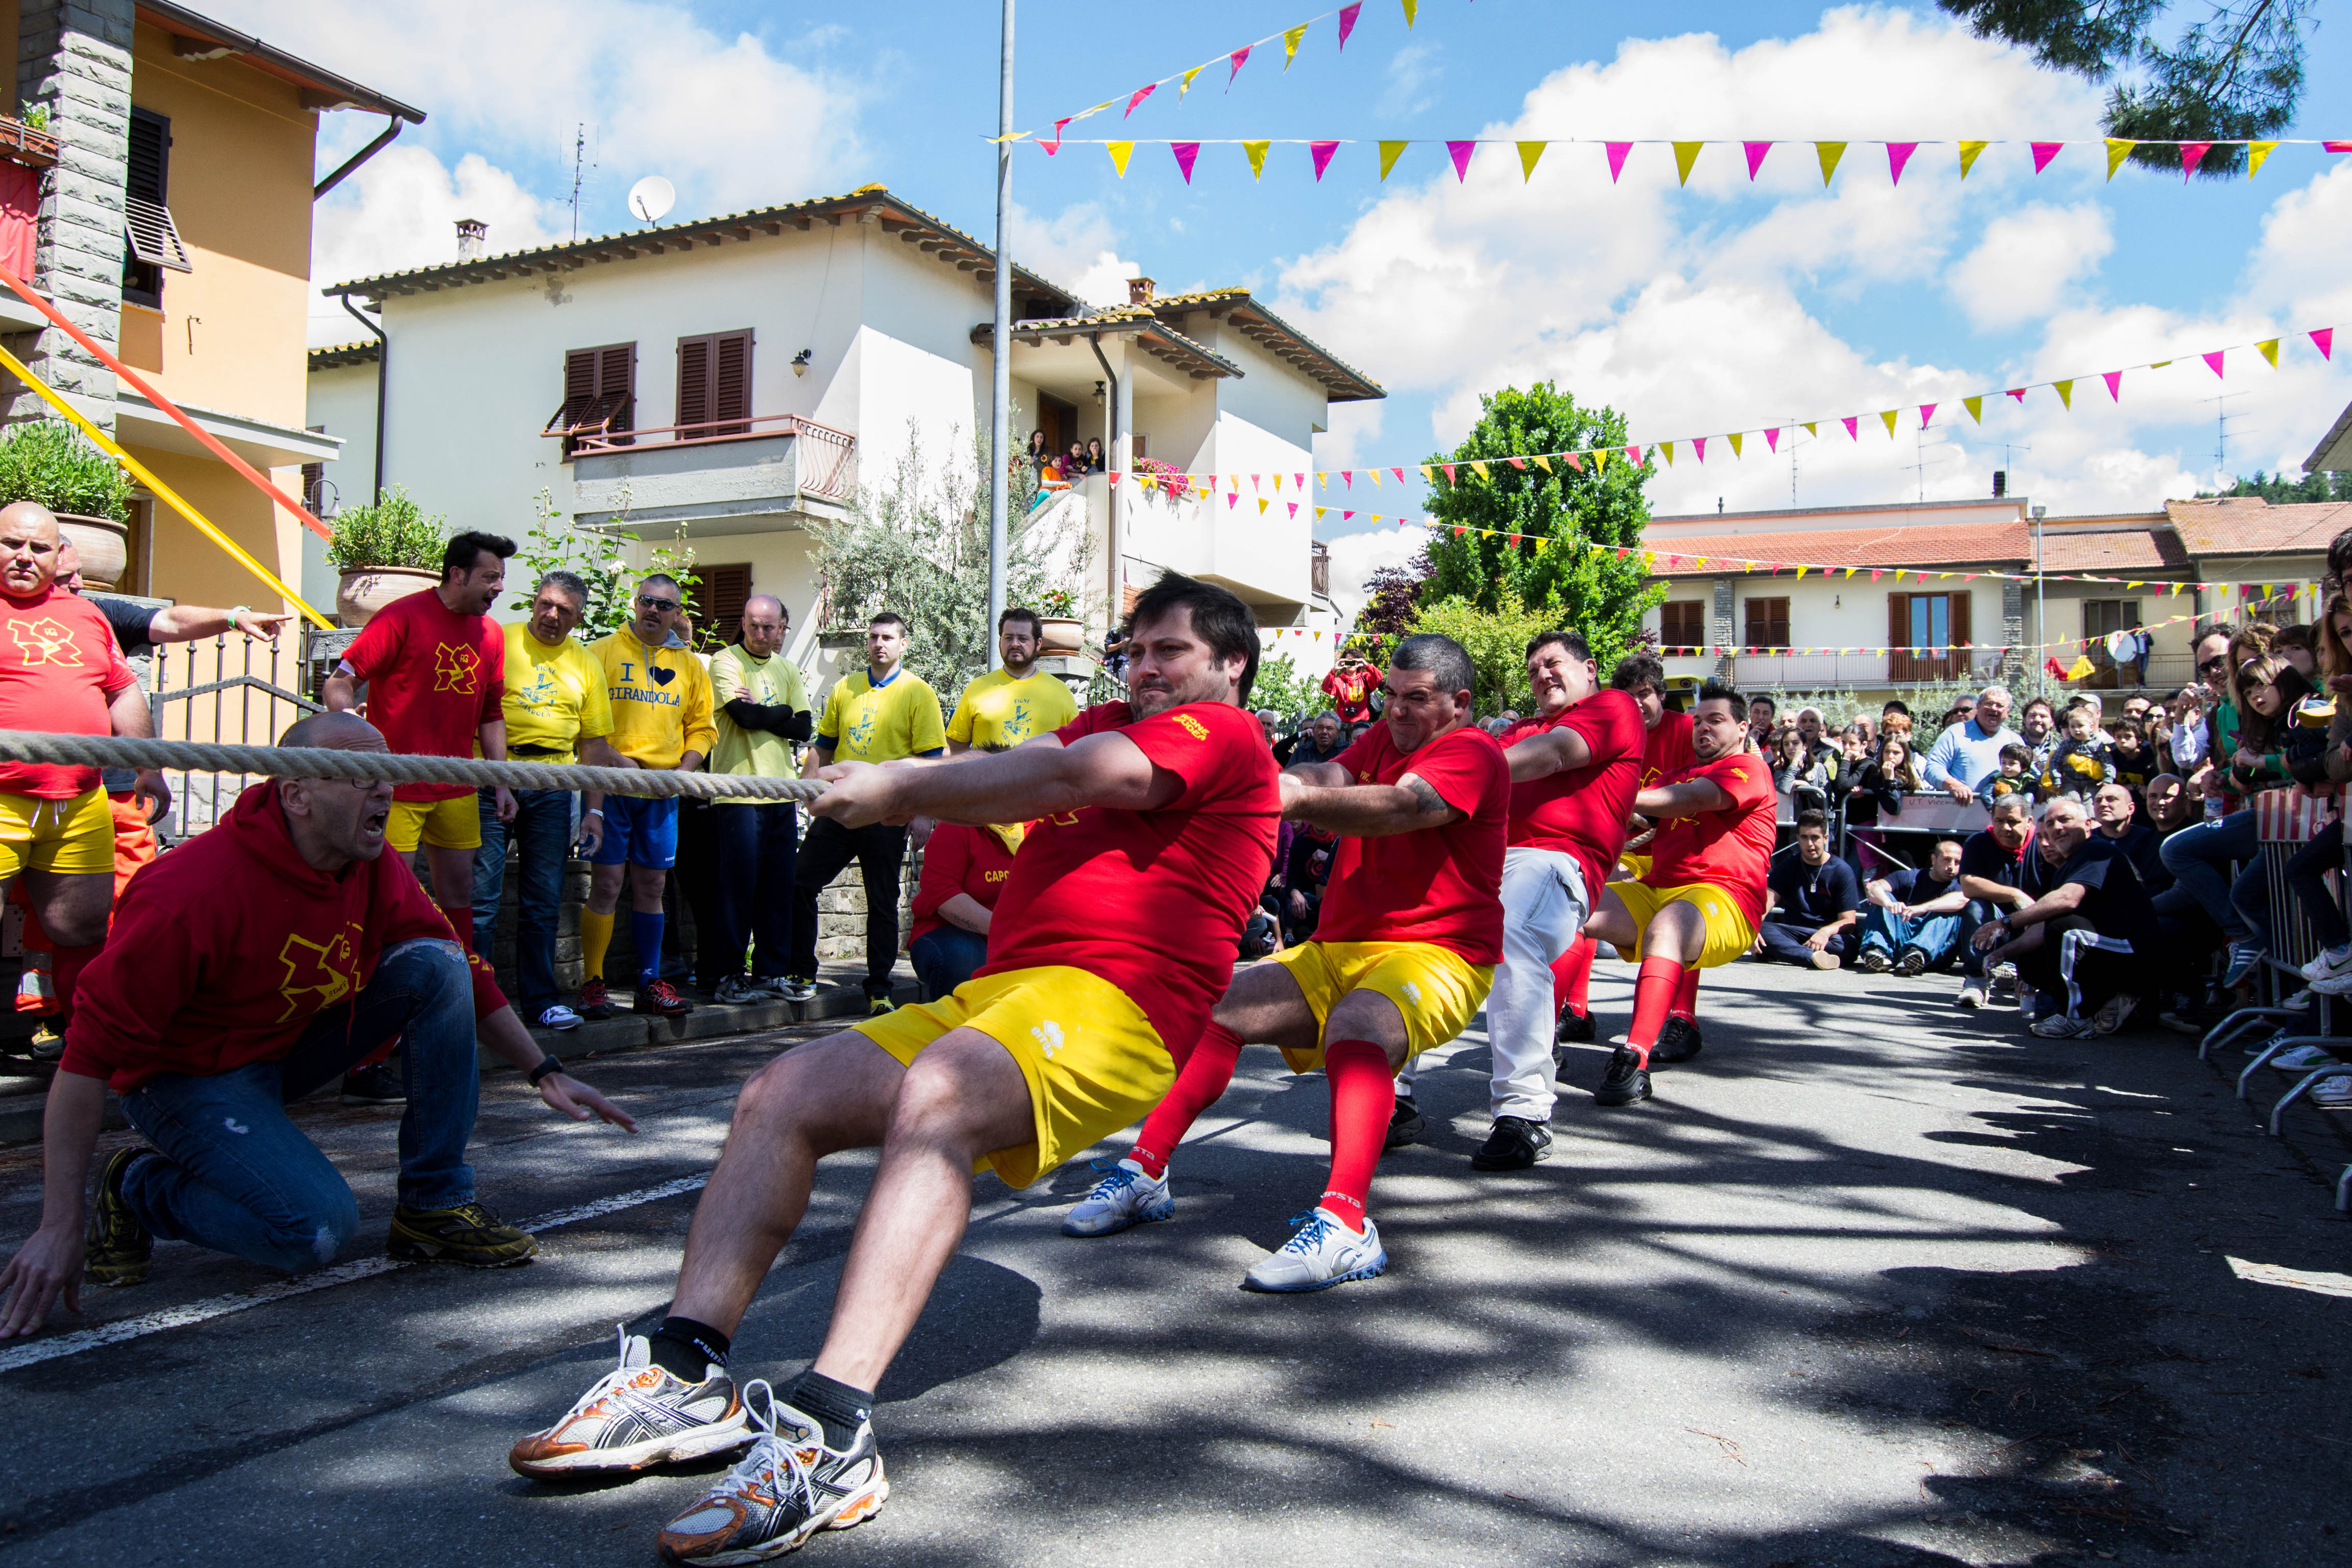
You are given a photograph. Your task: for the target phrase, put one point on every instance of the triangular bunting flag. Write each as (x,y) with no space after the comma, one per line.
(1319,512)
(1056,144)
(1376,476)
(1290,44)
(1574,461)
(2192,154)
(1185,86)
(2043,152)
(1240,57)
(1399,473)
(1460,153)
(1518,462)
(1617,151)
(1734,439)
(1968,150)
(1974,405)
(2065,392)
(1829,153)
(1120,152)
(1927,412)
(1889,418)
(1755,151)
(1409,7)
(1186,153)
(2114,380)
(1685,154)
(1389,153)
(1852,423)
(1772,438)
(1426,476)
(1600,458)
(2118,149)
(1528,152)
(1294,508)
(1449,472)
(1543,462)
(2213,360)
(1277,484)
(1348,21)
(1668,448)
(1141,94)
(1897,154)
(1480,470)
(1262,504)
(1257,150)
(2256,152)
(1698,445)
(1321,153)
(2018,393)
(2268,349)
(2324,340)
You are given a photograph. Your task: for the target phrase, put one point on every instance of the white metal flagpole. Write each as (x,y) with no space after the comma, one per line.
(1000,411)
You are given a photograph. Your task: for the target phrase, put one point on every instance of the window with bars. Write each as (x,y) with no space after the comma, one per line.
(152,243)
(714,385)
(600,389)
(1682,623)
(1767,623)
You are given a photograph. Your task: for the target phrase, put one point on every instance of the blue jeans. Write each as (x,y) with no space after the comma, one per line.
(1786,941)
(944,958)
(541,832)
(1935,935)
(756,846)
(2200,856)
(232,1172)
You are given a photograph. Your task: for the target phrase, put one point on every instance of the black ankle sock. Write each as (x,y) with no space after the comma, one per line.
(840,1409)
(687,1349)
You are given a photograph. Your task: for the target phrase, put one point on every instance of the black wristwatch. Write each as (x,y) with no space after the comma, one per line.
(547,1068)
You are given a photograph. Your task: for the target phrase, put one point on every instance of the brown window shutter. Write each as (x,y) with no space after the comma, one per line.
(616,386)
(1681,624)
(731,382)
(693,387)
(1760,626)
(1767,623)
(1898,637)
(579,386)
(717,602)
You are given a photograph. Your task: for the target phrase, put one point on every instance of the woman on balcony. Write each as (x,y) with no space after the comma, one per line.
(1094,456)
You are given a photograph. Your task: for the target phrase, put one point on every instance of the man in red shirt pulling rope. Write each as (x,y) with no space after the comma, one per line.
(1410,931)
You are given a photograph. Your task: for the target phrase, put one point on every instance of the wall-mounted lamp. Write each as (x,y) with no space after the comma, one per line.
(1099,392)
(1837,601)
(800,363)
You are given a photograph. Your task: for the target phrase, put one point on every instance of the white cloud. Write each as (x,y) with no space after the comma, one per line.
(1076,248)
(1356,556)
(1413,71)
(2028,261)
(404,214)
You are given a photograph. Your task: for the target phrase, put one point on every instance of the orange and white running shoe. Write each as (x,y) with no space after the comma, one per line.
(637,1416)
(789,1486)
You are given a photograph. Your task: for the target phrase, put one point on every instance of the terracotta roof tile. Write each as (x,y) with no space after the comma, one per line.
(1932,546)
(2248,525)
(2109,550)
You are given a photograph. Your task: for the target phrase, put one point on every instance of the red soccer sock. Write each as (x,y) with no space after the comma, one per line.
(1571,978)
(1653,993)
(1208,1070)
(65,964)
(1363,1097)
(461,924)
(1686,996)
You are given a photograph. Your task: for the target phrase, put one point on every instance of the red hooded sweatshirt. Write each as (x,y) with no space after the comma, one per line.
(223,949)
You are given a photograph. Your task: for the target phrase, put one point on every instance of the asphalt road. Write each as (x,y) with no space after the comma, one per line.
(1872,1282)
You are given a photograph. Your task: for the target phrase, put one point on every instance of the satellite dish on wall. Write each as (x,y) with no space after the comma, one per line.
(652,198)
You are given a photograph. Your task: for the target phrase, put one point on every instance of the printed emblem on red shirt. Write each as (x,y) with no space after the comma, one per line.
(45,642)
(453,668)
(319,971)
(1192,726)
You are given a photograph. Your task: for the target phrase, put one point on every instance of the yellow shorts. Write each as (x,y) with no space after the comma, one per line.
(455,824)
(1629,865)
(1093,1060)
(74,837)
(1728,934)
(1436,989)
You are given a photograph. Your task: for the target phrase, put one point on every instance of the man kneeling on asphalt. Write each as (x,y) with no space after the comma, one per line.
(250,967)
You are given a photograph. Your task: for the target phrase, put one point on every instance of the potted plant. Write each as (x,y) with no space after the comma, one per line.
(1058,630)
(51,462)
(385,550)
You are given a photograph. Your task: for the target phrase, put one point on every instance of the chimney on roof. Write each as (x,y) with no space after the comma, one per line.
(1139,290)
(2000,483)
(473,238)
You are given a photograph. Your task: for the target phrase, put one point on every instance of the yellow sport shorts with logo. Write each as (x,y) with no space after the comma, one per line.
(1436,989)
(1093,1061)
(453,823)
(73,838)
(1728,934)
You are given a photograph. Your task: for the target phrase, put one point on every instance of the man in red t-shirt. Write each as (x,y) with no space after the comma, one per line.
(964,872)
(1666,752)
(1350,688)
(1410,929)
(1574,768)
(1114,938)
(1699,903)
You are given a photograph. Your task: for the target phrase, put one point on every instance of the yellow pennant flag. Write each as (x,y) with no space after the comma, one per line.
(2269,350)
(1262,504)
(1889,418)
(1801,570)
(1319,512)
(1685,154)
(1290,44)
(1668,448)
(1734,439)
(1257,150)
(1528,152)
(1541,462)
(2256,152)
(1410,7)
(1427,477)
(1323,480)
(1829,153)
(2118,149)
(1600,458)
(1277,484)
(1974,405)
(1850,571)
(1376,476)
(2065,392)
(1968,150)
(1811,429)
(1389,153)
(1120,152)
(2081,667)
(1480,470)
(1186,85)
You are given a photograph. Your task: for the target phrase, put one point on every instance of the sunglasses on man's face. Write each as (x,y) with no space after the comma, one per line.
(2218,661)
(661,606)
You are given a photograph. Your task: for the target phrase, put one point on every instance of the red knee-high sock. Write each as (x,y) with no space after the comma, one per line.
(1363,1097)
(1654,995)
(65,964)
(1207,1070)
(1686,996)
(1571,978)
(461,924)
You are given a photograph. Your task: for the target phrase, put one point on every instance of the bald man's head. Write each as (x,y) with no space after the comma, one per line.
(334,822)
(28,548)
(764,624)
(334,732)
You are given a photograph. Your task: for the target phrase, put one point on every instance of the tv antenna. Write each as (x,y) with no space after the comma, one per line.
(582,165)
(1925,462)
(651,197)
(2222,477)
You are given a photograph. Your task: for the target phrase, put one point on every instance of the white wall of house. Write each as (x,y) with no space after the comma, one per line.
(340,401)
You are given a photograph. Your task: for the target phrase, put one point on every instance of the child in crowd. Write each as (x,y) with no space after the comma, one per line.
(2081,762)
(2133,762)
(2015,758)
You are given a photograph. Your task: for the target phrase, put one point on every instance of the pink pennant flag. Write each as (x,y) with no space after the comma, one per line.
(1232,497)
(1698,445)
(1755,151)
(1186,151)
(1574,461)
(1460,152)
(1299,479)
(1240,57)
(2114,380)
(1897,154)
(1344,517)
(1927,412)
(1141,94)
(1875,573)
(1399,473)
(2018,393)
(2324,340)
(2213,360)
(1294,509)
(2336,146)
(1518,462)
(2192,154)
(1853,426)
(1617,151)
(1348,477)
(1633,455)
(1449,471)
(2042,153)
(1348,21)
(1056,144)
(1321,151)
(1772,440)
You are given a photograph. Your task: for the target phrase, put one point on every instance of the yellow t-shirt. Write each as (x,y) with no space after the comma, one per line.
(660,696)
(866,723)
(997,712)
(768,682)
(555,698)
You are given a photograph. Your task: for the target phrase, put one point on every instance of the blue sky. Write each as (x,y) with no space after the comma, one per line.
(1724,305)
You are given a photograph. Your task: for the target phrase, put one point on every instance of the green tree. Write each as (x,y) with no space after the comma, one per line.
(1390,593)
(1496,638)
(2234,74)
(1281,687)
(1557,511)
(2280,491)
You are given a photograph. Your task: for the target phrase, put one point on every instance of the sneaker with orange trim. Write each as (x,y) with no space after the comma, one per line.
(789,1486)
(596,1001)
(637,1416)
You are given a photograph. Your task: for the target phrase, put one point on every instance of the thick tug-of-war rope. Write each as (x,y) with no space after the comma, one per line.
(314,762)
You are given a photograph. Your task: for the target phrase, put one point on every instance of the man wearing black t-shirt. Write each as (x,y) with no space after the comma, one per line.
(1810,902)
(1913,917)
(2114,814)
(2086,943)
(1994,866)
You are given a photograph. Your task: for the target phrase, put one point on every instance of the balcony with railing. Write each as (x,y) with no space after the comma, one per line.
(723,475)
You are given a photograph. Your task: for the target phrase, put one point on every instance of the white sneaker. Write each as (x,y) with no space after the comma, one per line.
(558,1016)
(2113,1014)
(2334,985)
(1972,994)
(2330,964)
(1324,1253)
(2058,1027)
(2305,1058)
(2332,1093)
(1126,1196)
(637,1415)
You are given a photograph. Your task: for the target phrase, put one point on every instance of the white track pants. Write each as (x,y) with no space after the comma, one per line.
(1545,905)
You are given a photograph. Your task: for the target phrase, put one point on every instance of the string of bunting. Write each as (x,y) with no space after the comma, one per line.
(2216,360)
(1828,155)
(1289,37)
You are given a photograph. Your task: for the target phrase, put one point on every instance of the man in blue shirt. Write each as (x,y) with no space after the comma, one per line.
(1810,901)
(1913,918)
(1969,752)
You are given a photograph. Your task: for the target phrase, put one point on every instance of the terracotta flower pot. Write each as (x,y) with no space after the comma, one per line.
(1060,634)
(103,544)
(363,590)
